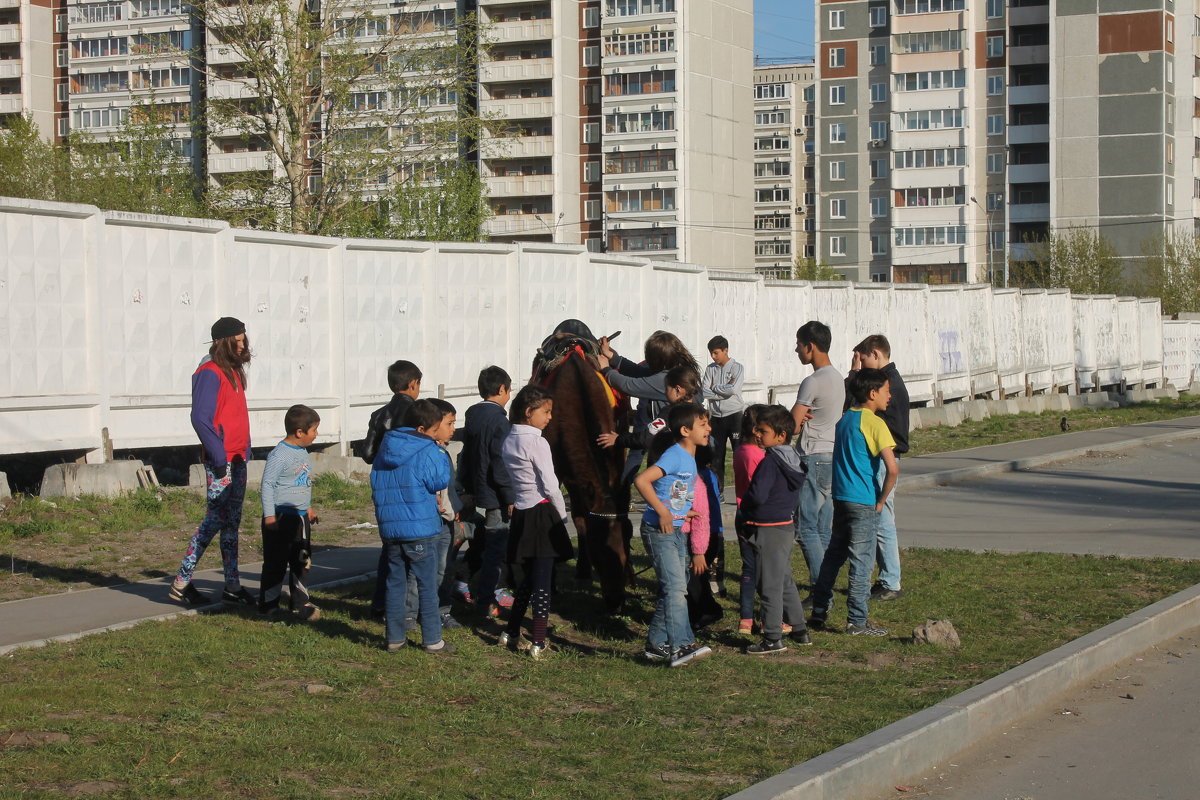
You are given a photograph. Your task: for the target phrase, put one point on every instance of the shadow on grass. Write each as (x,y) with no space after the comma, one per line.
(67,574)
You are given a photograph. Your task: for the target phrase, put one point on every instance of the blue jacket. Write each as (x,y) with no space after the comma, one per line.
(408,472)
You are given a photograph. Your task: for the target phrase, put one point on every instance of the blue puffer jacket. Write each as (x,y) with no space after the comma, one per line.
(408,472)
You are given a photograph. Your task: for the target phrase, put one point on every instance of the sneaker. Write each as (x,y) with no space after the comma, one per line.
(462,590)
(884,595)
(801,637)
(657,652)
(746,627)
(189,595)
(239,598)
(309,613)
(689,652)
(766,647)
(817,622)
(865,630)
(443,648)
(271,611)
(538,651)
(807,604)
(503,639)
(396,647)
(449,622)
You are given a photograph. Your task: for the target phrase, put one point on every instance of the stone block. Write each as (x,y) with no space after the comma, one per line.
(1075,401)
(254,473)
(1166,393)
(111,479)
(1057,401)
(351,468)
(5,492)
(976,410)
(914,419)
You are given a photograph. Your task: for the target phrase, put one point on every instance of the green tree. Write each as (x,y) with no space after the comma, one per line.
(1171,271)
(30,166)
(809,269)
(1076,258)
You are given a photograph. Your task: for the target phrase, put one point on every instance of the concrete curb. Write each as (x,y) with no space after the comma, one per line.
(871,765)
(970,473)
(186,612)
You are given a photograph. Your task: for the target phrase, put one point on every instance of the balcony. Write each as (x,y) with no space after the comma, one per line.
(521,31)
(231,90)
(1028,212)
(512,224)
(10,104)
(1029,15)
(530,69)
(520,108)
(222,54)
(220,163)
(520,185)
(1030,54)
(934,98)
(1025,95)
(10,33)
(10,3)
(929,176)
(518,147)
(1028,134)
(10,69)
(1028,173)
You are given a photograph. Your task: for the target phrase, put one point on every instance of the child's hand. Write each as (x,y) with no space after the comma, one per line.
(879,507)
(856,362)
(606,351)
(606,439)
(270,523)
(699,566)
(691,514)
(603,361)
(312,516)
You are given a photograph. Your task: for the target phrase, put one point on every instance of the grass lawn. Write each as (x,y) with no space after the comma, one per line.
(220,705)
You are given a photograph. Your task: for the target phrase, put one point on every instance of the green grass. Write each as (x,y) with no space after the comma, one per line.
(216,706)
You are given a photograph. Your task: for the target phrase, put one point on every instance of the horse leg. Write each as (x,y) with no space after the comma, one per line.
(583,560)
(608,554)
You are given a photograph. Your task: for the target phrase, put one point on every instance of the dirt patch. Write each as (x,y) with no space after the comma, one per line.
(33,739)
(90,788)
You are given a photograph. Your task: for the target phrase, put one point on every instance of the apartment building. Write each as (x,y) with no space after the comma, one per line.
(951,134)
(30,74)
(784,190)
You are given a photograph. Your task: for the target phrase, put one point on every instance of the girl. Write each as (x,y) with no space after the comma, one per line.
(745,460)
(538,535)
(222,422)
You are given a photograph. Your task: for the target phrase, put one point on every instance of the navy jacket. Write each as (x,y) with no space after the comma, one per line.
(383,419)
(774,490)
(896,413)
(481,472)
(409,470)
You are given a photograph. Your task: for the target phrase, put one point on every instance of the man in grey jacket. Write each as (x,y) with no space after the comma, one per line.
(722,385)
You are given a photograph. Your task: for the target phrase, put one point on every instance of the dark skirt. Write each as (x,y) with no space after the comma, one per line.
(538,532)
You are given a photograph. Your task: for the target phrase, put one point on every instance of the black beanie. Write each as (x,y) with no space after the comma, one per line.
(226,327)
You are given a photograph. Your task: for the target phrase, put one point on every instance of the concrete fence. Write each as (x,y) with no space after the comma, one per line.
(105,316)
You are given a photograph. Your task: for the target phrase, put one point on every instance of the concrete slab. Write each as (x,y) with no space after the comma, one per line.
(110,479)
(5,491)
(351,468)
(254,473)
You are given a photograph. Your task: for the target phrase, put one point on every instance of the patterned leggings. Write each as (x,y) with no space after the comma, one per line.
(535,590)
(224,515)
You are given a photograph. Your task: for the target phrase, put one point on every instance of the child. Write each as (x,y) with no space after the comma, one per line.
(862,440)
(404,379)
(704,532)
(409,470)
(288,516)
(669,488)
(723,380)
(767,509)
(449,507)
(538,537)
(485,478)
(683,386)
(874,352)
(746,459)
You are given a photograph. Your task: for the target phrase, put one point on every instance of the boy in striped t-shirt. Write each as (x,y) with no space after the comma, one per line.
(861,441)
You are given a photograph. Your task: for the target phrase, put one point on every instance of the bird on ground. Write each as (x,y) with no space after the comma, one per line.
(1062,423)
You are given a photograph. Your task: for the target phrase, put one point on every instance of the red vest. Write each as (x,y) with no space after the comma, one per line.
(232,419)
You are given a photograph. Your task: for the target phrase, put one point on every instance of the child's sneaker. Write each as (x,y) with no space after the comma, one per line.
(239,598)
(746,627)
(449,622)
(802,637)
(657,652)
(309,613)
(865,630)
(538,651)
(817,622)
(442,648)
(689,652)
(766,647)
(189,595)
(463,591)
(396,647)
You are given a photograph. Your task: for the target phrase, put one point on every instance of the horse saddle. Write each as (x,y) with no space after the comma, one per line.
(567,335)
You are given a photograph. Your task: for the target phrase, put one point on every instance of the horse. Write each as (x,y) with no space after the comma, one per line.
(584,407)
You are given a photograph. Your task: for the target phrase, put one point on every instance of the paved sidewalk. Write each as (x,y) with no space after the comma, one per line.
(36,620)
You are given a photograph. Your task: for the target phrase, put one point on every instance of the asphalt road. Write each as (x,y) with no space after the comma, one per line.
(1141,502)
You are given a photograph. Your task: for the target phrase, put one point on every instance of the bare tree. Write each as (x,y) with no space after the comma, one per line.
(1171,271)
(1077,258)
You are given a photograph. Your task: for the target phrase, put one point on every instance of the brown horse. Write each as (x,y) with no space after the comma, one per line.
(584,407)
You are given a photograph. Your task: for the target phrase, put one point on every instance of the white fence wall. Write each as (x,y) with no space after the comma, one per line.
(105,315)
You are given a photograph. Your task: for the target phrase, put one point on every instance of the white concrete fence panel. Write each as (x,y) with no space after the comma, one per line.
(105,315)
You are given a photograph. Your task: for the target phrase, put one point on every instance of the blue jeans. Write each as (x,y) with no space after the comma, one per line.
(669,554)
(854,531)
(412,560)
(887,548)
(442,544)
(815,512)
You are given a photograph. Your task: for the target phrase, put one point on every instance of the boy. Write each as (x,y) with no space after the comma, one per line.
(767,509)
(863,441)
(404,379)
(288,515)
(669,486)
(874,352)
(816,411)
(722,384)
(485,479)
(409,470)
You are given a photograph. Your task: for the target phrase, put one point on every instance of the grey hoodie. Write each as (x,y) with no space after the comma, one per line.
(774,490)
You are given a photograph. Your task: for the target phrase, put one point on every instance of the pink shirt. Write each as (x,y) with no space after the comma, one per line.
(745,461)
(699,528)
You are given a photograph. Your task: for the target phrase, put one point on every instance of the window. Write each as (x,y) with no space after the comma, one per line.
(591,209)
(928,6)
(773,222)
(837,57)
(879,245)
(837,95)
(591,171)
(591,56)
(837,20)
(995,46)
(95,82)
(837,132)
(1170,29)
(99,117)
(878,92)
(939,157)
(164,42)
(929,120)
(933,196)
(591,132)
(810,120)
(877,55)
(591,17)
(810,198)
(592,92)
(837,245)
(100,48)
(97,12)
(156,8)
(936,235)
(64,126)
(634,83)
(60,23)
(628,8)
(62,57)
(810,93)
(161,78)
(995,163)
(809,146)
(879,168)
(636,44)
(995,9)
(641,200)
(935,79)
(928,42)
(367,101)
(771,91)
(637,161)
(810,251)
(775,248)
(779,194)
(995,85)
(837,170)
(61,92)
(878,207)
(1170,194)
(594,244)
(995,201)
(773,118)
(1170,151)
(879,130)
(772,169)
(640,121)
(772,143)
(995,125)
(646,239)
(878,16)
(810,224)
(837,209)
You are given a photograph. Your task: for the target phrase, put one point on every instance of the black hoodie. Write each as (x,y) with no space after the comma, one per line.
(774,490)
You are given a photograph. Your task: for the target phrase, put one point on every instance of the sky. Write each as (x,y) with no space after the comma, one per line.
(783,29)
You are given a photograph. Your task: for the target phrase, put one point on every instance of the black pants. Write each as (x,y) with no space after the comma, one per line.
(724,428)
(287,548)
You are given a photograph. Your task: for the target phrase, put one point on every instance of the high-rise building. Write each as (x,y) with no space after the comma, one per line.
(31,68)
(951,135)
(784,190)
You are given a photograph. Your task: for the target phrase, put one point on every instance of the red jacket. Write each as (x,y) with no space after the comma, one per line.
(219,414)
